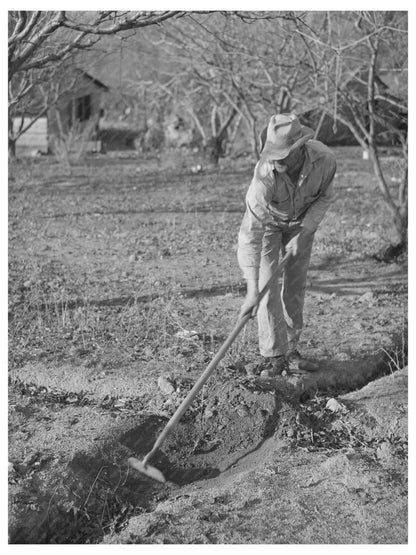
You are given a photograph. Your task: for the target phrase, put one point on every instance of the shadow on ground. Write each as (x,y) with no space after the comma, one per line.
(98,491)
(341,286)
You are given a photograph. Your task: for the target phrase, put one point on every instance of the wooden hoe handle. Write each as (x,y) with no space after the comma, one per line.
(242,321)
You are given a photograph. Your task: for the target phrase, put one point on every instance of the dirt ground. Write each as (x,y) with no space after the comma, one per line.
(123,284)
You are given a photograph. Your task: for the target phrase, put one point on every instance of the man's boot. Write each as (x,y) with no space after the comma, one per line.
(297,362)
(274,366)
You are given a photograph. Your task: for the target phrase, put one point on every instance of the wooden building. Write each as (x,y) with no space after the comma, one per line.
(77,111)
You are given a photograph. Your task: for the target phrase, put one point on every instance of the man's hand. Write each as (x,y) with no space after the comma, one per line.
(295,245)
(250,302)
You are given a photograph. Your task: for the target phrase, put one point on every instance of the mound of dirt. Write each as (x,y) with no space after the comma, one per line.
(230,418)
(236,417)
(321,492)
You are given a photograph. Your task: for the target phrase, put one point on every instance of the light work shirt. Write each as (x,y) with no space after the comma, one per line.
(274,200)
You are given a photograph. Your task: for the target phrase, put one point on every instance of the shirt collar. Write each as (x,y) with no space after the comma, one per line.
(312,154)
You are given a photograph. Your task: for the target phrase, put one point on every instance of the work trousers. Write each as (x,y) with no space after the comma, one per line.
(280,312)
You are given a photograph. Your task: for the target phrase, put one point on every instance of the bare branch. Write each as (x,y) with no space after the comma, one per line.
(123,23)
(29,34)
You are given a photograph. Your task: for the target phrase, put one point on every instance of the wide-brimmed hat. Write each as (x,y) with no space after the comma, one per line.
(283,134)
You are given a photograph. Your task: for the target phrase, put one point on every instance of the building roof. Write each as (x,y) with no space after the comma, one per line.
(34,103)
(94,80)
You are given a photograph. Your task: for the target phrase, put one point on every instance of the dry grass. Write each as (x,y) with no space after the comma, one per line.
(112,264)
(99,260)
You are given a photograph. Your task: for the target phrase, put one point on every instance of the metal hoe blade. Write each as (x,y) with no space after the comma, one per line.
(146,469)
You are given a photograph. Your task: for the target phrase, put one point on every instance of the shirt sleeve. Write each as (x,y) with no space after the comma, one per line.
(317,210)
(256,216)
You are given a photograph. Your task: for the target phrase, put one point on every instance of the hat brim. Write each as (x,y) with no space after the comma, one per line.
(271,152)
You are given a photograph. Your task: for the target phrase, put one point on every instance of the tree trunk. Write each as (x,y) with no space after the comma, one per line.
(214,150)
(216,145)
(398,212)
(11,138)
(12,148)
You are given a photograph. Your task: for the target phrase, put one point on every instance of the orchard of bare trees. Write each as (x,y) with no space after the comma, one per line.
(168,172)
(221,75)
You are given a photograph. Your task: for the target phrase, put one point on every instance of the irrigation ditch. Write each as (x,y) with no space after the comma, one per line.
(93,494)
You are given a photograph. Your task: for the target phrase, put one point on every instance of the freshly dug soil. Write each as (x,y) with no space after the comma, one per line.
(236,417)
(118,280)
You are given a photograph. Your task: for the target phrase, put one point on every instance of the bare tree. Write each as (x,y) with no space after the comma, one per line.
(349,52)
(230,68)
(31,95)
(38,40)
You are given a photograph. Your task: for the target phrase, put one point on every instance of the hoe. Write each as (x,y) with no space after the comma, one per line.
(143,466)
